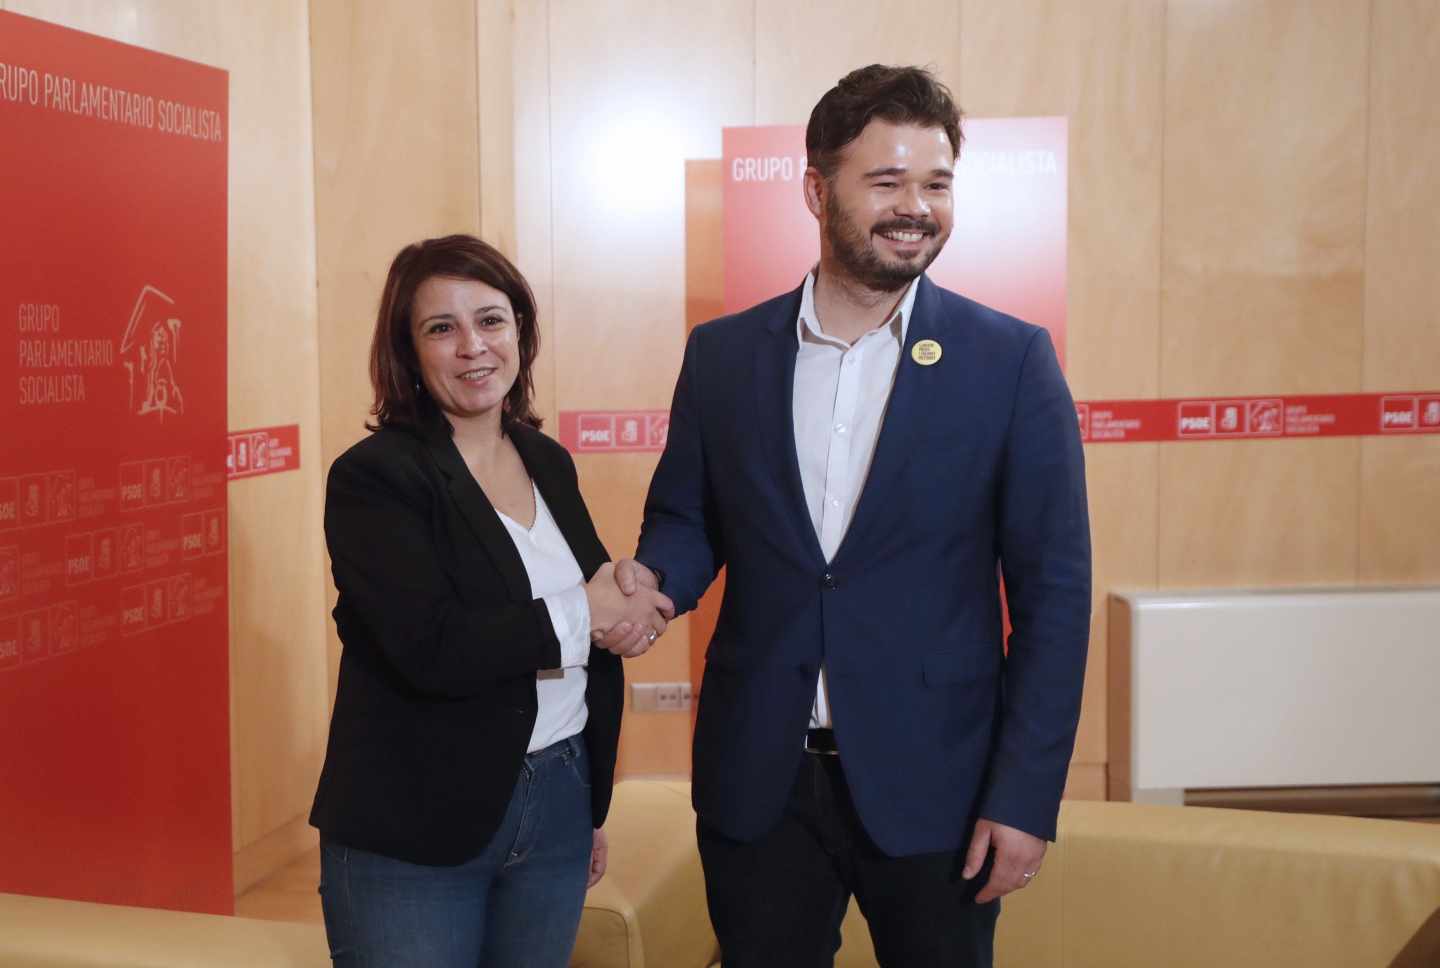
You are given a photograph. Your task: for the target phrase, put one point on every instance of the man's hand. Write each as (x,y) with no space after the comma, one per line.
(630,575)
(630,639)
(599,857)
(627,623)
(1016,854)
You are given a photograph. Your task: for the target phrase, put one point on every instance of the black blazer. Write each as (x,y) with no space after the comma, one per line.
(442,640)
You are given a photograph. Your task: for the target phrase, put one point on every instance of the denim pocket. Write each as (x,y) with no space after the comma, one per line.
(578,762)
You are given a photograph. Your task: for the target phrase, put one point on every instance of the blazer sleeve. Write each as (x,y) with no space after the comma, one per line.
(1044,546)
(677,536)
(393,586)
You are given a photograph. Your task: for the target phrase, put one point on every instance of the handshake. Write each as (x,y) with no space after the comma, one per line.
(627,611)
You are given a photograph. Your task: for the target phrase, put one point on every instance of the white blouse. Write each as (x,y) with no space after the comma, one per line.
(555,576)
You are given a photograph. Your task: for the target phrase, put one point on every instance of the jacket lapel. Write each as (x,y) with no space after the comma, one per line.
(566,504)
(775,354)
(479,513)
(916,393)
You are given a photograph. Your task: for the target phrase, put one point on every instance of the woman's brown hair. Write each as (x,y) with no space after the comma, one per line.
(400,396)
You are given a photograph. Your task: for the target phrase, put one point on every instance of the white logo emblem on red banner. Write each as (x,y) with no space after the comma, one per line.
(1197,419)
(1265,417)
(1399,414)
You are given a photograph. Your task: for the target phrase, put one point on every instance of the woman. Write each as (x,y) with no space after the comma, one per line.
(472,746)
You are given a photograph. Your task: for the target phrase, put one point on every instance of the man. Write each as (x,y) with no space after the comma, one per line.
(862,453)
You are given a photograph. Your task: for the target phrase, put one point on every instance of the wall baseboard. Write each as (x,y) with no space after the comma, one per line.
(258,860)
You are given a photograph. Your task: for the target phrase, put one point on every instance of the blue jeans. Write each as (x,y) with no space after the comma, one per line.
(516,905)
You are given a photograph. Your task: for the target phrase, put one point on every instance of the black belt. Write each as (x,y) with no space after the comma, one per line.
(821,741)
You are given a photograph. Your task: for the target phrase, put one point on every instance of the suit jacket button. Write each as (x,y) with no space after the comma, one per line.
(828,582)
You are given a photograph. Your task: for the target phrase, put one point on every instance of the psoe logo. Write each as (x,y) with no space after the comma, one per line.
(79,558)
(1082,414)
(9,502)
(133,611)
(9,644)
(1398,413)
(150,350)
(1197,419)
(597,431)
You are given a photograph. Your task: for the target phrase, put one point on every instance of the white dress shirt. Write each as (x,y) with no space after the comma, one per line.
(556,578)
(841,392)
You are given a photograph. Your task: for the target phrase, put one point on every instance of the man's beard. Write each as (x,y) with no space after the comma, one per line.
(856,253)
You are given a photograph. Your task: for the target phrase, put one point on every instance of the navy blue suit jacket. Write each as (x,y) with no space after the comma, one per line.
(978,464)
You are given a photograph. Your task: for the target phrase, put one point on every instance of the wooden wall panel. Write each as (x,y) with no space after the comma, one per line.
(617,175)
(495,35)
(1100,65)
(394,162)
(1402,229)
(1400,511)
(1402,289)
(530,126)
(1263,251)
(802,47)
(1258,513)
(278,674)
(1262,280)
(277,664)
(1122,483)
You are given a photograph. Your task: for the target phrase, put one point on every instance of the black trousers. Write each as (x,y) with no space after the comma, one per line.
(778,902)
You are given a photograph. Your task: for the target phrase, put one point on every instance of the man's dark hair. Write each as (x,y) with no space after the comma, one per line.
(900,95)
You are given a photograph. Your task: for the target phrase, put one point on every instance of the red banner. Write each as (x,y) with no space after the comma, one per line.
(114,624)
(1258,418)
(1007,249)
(266,451)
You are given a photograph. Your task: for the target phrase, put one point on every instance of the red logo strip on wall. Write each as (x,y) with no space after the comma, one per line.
(614,431)
(1113,421)
(1258,418)
(269,450)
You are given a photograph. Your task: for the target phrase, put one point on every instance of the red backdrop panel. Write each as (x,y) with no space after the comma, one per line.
(114,694)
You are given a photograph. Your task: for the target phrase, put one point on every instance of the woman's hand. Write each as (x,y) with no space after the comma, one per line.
(599,857)
(646,611)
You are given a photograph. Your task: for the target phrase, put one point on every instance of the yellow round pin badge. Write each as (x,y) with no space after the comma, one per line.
(927,352)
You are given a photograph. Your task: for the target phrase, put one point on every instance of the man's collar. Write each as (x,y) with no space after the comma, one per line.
(809,319)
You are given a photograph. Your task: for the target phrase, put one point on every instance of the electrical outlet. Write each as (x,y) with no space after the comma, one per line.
(660,697)
(643,697)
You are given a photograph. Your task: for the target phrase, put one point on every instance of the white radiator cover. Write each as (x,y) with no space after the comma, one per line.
(1273,688)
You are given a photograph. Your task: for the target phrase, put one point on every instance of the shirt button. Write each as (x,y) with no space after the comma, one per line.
(840,429)
(835,502)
